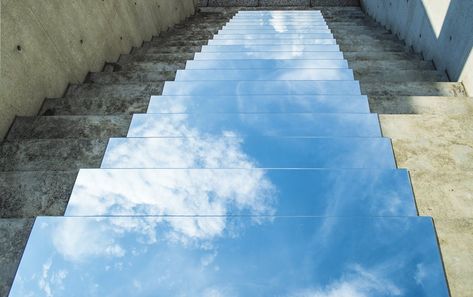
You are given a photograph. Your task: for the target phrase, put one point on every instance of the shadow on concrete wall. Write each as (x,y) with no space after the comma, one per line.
(450,48)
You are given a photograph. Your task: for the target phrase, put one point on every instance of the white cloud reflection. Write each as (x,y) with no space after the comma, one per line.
(357,282)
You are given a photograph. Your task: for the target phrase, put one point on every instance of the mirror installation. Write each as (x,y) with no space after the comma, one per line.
(259,171)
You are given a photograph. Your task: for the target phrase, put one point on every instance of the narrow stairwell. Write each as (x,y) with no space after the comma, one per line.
(427,117)
(41,155)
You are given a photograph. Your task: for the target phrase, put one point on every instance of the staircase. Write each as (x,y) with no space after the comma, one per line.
(419,109)
(41,155)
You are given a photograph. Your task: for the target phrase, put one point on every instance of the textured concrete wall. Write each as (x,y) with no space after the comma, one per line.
(441,30)
(45,45)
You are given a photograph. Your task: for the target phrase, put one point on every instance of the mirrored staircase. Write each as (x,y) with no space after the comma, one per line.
(258,171)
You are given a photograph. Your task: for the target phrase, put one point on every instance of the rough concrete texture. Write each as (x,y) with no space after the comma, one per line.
(32,193)
(92,106)
(51,127)
(13,237)
(115,90)
(47,45)
(51,154)
(421,105)
(440,30)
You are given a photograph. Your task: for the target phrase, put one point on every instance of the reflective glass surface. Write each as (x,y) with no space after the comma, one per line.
(294,124)
(266,64)
(255,103)
(265,74)
(270,56)
(213,88)
(270,41)
(231,150)
(300,36)
(220,256)
(270,48)
(279,26)
(286,27)
(322,192)
(268,30)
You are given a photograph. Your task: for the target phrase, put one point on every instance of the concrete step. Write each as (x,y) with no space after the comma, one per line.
(165,58)
(362,66)
(51,154)
(46,127)
(382,75)
(154,66)
(368,73)
(35,193)
(13,237)
(344,46)
(94,106)
(136,90)
(131,76)
(168,49)
(184,42)
(362,30)
(413,89)
(421,105)
(440,127)
(431,142)
(201,34)
(357,46)
(354,57)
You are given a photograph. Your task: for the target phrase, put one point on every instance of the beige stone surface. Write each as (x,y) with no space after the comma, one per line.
(438,151)
(456,241)
(47,45)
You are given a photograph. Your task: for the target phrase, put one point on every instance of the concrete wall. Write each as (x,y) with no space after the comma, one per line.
(45,45)
(441,30)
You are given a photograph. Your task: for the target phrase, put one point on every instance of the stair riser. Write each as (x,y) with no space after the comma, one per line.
(421,105)
(94,106)
(413,89)
(36,193)
(69,127)
(115,91)
(51,155)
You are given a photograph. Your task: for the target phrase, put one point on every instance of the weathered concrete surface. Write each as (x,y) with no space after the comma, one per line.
(51,154)
(51,127)
(13,237)
(456,240)
(47,45)
(32,193)
(440,30)
(92,105)
(421,105)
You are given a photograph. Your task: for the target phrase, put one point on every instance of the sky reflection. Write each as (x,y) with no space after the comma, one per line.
(323,257)
(319,192)
(259,103)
